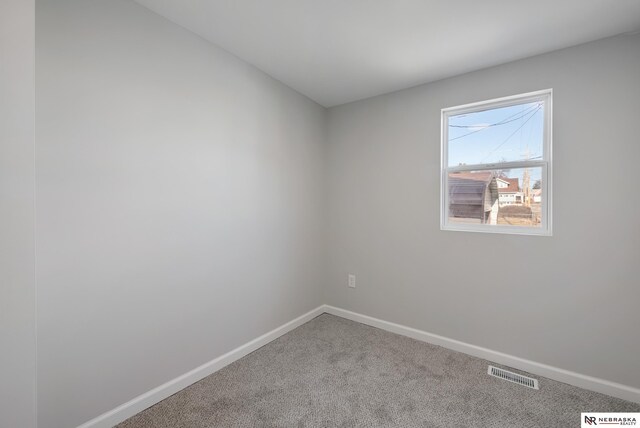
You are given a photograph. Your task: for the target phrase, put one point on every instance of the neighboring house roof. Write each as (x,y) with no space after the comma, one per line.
(485,176)
(536,192)
(469,188)
(513,186)
(473,195)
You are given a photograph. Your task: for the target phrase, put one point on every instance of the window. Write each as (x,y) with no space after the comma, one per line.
(496,165)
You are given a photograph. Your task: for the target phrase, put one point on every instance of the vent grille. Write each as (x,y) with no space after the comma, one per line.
(513,377)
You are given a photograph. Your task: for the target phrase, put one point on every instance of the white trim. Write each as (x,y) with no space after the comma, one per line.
(545,229)
(148,399)
(572,378)
(503,165)
(503,101)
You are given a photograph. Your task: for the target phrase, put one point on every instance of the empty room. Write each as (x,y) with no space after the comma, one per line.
(319,213)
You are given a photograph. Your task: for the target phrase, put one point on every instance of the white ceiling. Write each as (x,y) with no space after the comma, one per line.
(337,51)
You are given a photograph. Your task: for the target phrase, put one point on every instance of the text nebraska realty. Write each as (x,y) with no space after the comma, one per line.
(611,420)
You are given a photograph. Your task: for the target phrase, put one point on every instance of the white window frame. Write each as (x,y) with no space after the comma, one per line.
(545,229)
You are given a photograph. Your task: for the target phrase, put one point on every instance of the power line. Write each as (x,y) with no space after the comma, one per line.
(502,122)
(522,114)
(513,133)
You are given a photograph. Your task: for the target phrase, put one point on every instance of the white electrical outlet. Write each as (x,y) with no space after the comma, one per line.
(352,281)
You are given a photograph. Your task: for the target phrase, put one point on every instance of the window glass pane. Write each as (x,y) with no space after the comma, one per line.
(496,197)
(504,134)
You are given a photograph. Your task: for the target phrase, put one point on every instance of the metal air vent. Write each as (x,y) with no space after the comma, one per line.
(529,382)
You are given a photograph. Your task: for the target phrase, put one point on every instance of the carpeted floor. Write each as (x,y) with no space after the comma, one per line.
(332,372)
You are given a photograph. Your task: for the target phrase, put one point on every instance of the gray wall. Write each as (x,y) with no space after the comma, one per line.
(182,198)
(179,204)
(577,309)
(17,269)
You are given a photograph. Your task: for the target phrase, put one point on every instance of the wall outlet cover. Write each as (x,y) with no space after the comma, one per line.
(352,281)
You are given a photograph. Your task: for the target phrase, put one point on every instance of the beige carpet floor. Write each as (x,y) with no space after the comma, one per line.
(332,372)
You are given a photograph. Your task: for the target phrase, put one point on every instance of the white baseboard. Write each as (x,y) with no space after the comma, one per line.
(148,399)
(576,379)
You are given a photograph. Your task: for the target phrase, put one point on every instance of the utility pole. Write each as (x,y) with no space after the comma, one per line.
(526,182)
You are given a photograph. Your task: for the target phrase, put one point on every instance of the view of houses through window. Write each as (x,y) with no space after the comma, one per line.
(495,164)
(496,197)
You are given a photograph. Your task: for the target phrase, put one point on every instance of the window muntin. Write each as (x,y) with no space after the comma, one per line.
(496,165)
